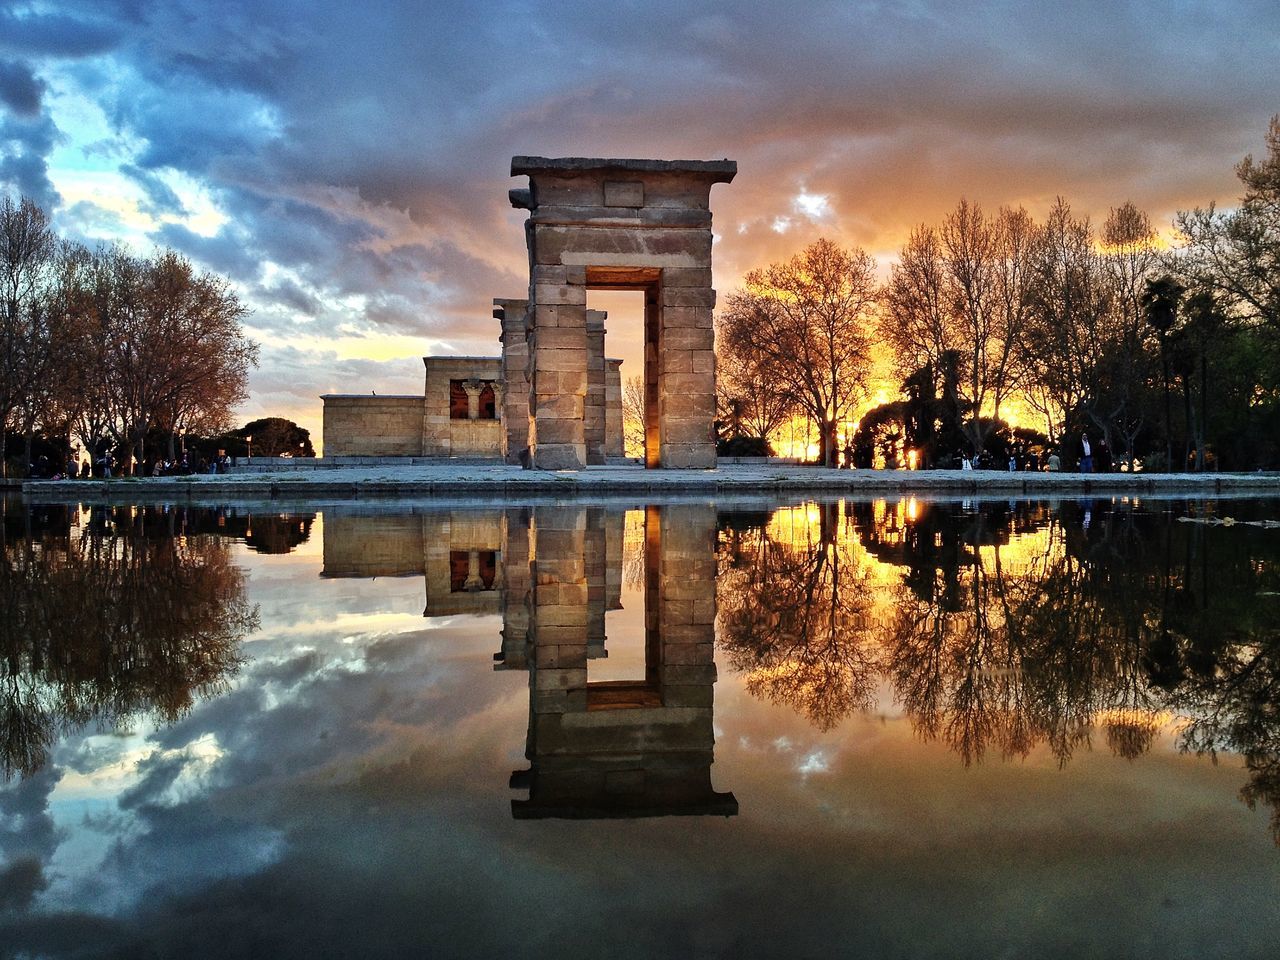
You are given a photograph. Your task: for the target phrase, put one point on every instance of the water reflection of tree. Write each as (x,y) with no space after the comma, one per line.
(118,620)
(1013,655)
(1014,626)
(793,617)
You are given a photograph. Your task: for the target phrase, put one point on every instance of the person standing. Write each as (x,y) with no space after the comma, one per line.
(1086,461)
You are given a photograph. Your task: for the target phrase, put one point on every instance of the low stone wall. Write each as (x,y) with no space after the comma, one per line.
(372,426)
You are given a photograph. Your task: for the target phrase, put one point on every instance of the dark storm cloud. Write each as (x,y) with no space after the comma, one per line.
(20,88)
(26,828)
(20,881)
(162,198)
(25,144)
(78,30)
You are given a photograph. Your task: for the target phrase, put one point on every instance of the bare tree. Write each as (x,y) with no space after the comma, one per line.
(27,249)
(749,401)
(1067,333)
(963,290)
(1130,257)
(807,319)
(633,423)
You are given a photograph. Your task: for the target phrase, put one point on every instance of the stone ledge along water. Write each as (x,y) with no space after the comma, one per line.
(507,481)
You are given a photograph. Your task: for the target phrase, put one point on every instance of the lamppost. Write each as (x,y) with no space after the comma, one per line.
(249,443)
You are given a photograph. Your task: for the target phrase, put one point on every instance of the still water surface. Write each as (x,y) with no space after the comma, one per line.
(903,728)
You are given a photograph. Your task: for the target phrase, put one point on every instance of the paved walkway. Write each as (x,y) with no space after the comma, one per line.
(511,482)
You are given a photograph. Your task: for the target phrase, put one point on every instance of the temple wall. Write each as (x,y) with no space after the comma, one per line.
(372,426)
(463,563)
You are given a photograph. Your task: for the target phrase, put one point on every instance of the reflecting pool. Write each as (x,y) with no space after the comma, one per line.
(748,728)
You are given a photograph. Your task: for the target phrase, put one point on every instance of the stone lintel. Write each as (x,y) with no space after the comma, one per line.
(715,171)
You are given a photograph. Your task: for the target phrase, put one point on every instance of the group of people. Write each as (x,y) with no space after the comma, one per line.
(105,466)
(185,467)
(1093,459)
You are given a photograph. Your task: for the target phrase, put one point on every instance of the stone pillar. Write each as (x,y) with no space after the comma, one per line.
(686,374)
(517,580)
(515,376)
(613,429)
(615,534)
(652,379)
(595,553)
(686,605)
(558,367)
(473,389)
(593,425)
(435,411)
(558,615)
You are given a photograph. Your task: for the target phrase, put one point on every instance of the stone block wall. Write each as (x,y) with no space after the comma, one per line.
(443,436)
(593,411)
(473,541)
(372,426)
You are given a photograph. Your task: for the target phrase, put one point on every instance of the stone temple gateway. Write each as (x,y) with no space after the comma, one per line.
(553,400)
(621,225)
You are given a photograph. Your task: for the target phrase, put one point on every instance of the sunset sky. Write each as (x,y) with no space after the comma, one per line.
(346,164)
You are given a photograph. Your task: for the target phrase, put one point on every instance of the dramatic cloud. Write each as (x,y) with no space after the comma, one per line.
(347,164)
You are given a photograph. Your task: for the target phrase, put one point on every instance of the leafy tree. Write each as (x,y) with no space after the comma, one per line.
(129,618)
(1236,253)
(113,346)
(276,436)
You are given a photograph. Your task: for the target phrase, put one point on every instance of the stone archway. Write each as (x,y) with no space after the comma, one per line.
(621,225)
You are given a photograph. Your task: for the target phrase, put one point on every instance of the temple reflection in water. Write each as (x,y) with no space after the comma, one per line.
(624,747)
(992,627)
